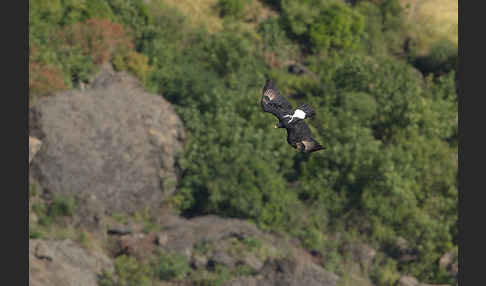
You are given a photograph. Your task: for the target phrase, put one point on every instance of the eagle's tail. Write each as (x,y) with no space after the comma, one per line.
(316,148)
(308,110)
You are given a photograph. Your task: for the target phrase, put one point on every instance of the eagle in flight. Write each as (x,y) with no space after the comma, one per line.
(298,133)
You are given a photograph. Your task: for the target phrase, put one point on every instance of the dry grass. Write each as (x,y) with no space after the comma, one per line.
(205,12)
(432,20)
(199,12)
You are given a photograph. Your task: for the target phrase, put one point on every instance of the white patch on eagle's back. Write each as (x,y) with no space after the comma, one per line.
(299,114)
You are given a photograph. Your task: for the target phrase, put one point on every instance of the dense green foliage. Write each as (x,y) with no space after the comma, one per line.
(50,211)
(47,213)
(128,272)
(387,118)
(233,8)
(168,267)
(336,27)
(68,40)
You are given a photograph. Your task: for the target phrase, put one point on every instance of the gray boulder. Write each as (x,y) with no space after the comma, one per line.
(361,252)
(407,281)
(284,264)
(112,146)
(412,281)
(34,147)
(181,235)
(64,263)
(449,262)
(288,272)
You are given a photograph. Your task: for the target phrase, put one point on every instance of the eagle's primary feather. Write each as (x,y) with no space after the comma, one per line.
(273,102)
(298,133)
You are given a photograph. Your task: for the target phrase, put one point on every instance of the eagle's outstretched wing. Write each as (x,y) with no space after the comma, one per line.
(300,137)
(273,102)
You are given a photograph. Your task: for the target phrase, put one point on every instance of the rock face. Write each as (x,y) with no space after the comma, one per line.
(449,262)
(362,253)
(288,272)
(63,263)
(34,147)
(412,281)
(209,241)
(112,146)
(407,281)
(181,235)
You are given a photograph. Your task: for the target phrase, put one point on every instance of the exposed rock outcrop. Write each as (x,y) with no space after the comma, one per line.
(181,235)
(112,146)
(34,147)
(407,281)
(361,252)
(449,262)
(288,272)
(210,241)
(412,281)
(64,263)
(184,236)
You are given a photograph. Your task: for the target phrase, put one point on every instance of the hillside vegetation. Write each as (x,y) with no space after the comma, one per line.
(384,91)
(432,20)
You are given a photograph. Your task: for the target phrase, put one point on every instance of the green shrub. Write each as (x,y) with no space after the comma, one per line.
(274,40)
(360,104)
(323,26)
(441,109)
(134,15)
(128,272)
(385,273)
(228,52)
(233,8)
(34,232)
(298,16)
(61,206)
(252,243)
(333,261)
(133,62)
(271,32)
(44,78)
(442,58)
(311,238)
(337,27)
(170,266)
(385,32)
(33,191)
(373,41)
(243,270)
(214,277)
(41,209)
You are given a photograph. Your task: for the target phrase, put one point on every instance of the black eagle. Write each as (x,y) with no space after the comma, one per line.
(298,133)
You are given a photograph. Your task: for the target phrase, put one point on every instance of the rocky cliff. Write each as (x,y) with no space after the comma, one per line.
(111,146)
